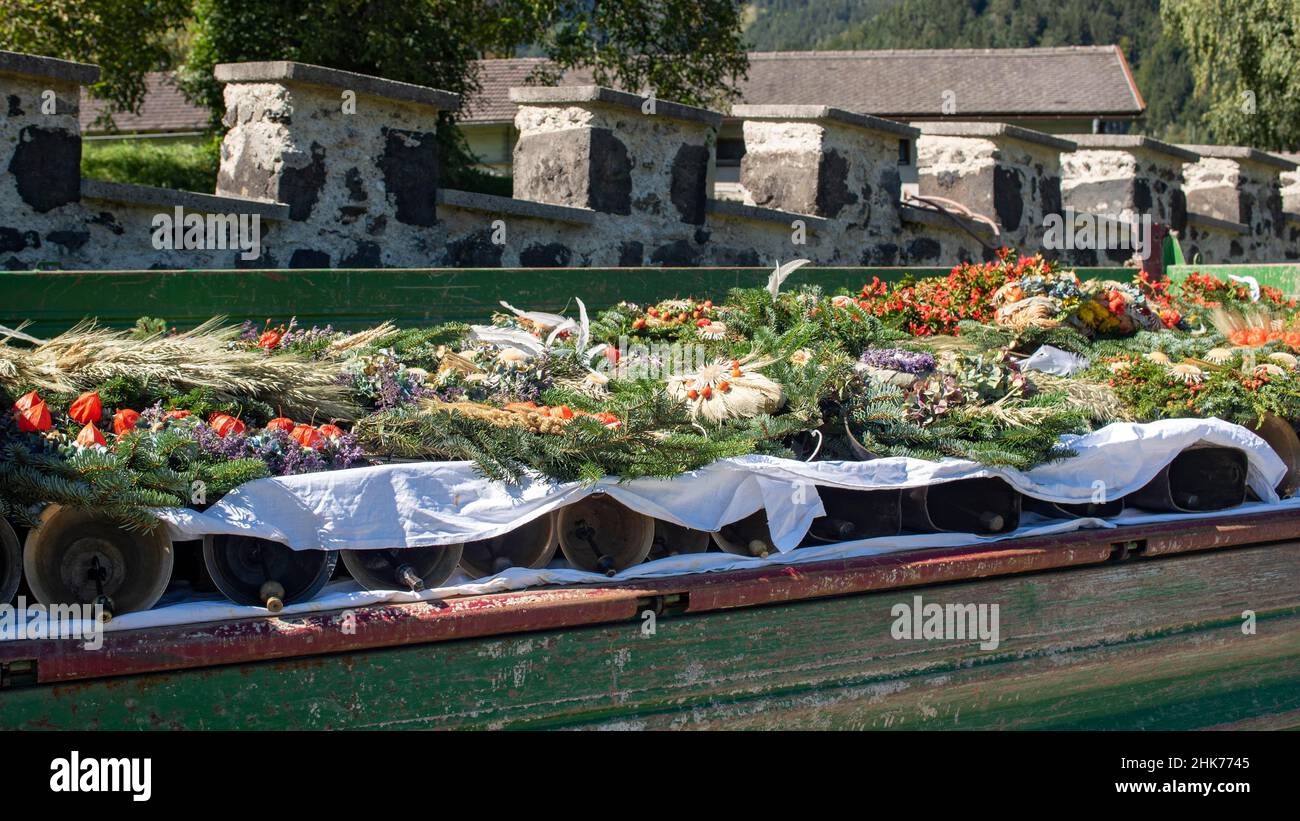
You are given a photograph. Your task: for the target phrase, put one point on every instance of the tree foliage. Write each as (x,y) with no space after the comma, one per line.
(1245,56)
(125,38)
(636,44)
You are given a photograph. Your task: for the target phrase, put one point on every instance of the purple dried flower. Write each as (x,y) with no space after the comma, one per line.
(897,359)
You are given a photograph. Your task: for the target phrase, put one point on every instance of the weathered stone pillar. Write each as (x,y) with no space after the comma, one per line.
(830,163)
(40,155)
(354,157)
(1009,174)
(1237,191)
(1125,176)
(617,153)
(1291,185)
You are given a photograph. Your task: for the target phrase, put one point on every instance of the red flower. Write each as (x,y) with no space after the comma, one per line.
(330,431)
(87,408)
(90,435)
(307,436)
(175,414)
(269,340)
(124,420)
(34,419)
(224,424)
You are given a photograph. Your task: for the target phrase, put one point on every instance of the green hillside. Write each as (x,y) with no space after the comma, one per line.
(1158,61)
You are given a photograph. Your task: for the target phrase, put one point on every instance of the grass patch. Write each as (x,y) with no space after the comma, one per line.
(184,166)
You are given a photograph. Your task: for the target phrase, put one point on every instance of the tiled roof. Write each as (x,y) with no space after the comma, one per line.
(1073,81)
(165,110)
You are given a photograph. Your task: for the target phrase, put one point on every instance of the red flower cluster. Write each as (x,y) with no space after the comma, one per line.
(1209,291)
(934,305)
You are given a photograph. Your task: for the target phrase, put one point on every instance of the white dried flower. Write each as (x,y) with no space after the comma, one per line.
(1187,373)
(714,330)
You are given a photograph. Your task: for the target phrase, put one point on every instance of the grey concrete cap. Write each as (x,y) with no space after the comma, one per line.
(1242,152)
(131,194)
(992,130)
(284,71)
(49,68)
(823,112)
(1207,221)
(1132,142)
(587,95)
(493,204)
(739,210)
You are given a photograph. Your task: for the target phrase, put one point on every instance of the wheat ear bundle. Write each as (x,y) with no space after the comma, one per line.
(88,355)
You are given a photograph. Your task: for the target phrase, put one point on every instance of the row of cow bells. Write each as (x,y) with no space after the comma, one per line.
(76,556)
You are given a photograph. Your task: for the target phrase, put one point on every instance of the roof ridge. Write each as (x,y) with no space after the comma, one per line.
(1036,51)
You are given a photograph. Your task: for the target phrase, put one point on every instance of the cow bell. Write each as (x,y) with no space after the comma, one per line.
(600,535)
(1081,510)
(11,563)
(1281,437)
(78,556)
(1197,480)
(983,506)
(262,573)
(673,539)
(530,545)
(856,514)
(748,537)
(403,568)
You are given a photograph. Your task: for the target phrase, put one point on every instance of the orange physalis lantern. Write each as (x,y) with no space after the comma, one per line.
(224,424)
(307,436)
(330,431)
(87,408)
(26,401)
(34,419)
(281,423)
(90,435)
(124,420)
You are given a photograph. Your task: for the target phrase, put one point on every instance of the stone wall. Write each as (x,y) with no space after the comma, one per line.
(341,170)
(1234,197)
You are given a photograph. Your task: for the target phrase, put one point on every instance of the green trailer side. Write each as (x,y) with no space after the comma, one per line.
(349,299)
(1098,630)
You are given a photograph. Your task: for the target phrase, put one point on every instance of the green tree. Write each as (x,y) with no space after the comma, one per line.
(125,38)
(1245,56)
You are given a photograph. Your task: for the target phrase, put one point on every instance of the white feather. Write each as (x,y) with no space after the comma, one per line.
(507,338)
(782,273)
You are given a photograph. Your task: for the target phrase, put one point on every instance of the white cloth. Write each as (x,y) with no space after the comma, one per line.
(1053,360)
(434,503)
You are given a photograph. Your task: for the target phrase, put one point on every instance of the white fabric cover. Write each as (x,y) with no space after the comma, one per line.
(434,503)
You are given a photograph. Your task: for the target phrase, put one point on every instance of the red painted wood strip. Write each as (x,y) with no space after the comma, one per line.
(189,646)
